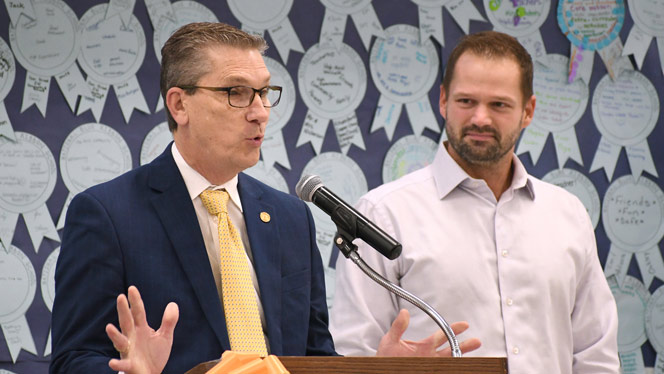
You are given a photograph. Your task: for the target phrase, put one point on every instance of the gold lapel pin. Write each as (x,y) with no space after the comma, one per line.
(265,217)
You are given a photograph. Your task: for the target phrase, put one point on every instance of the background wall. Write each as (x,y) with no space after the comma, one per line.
(49,150)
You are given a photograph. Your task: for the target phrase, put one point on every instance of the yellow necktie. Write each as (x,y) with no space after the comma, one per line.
(242,318)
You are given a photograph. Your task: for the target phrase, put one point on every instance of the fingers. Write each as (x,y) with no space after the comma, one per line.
(120,365)
(120,342)
(124,314)
(465,346)
(137,307)
(459,327)
(169,320)
(399,326)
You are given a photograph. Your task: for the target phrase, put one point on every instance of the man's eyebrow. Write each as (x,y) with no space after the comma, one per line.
(237,80)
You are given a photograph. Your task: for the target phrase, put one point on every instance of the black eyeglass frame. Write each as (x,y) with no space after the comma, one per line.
(228,91)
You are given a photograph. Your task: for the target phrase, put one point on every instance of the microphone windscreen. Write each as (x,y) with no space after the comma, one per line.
(307,185)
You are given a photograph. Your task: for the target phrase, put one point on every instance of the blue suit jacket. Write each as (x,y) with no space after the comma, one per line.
(141,229)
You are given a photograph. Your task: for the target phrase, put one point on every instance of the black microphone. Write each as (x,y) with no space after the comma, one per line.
(348,220)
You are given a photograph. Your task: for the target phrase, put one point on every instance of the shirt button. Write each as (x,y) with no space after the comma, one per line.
(515,350)
(504,253)
(509,301)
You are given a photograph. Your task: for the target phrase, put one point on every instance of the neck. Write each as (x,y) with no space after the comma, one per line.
(214,174)
(497,175)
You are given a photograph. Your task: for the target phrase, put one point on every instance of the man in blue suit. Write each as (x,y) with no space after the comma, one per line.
(149,229)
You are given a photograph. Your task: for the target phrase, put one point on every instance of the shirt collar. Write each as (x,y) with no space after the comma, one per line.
(196,183)
(448,175)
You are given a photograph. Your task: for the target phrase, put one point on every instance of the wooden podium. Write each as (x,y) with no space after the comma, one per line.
(383,365)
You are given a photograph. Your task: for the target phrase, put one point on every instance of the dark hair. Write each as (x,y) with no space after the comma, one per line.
(184,58)
(493,44)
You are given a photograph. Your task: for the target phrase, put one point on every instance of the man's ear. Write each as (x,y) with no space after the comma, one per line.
(528,112)
(175,104)
(442,103)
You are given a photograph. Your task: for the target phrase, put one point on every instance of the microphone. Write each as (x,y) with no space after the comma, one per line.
(348,220)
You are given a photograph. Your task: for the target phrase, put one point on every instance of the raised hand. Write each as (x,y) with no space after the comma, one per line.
(142,349)
(392,345)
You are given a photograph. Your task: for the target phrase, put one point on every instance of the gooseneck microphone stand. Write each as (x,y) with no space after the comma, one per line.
(349,250)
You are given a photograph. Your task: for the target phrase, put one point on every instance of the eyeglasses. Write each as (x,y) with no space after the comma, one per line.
(243,96)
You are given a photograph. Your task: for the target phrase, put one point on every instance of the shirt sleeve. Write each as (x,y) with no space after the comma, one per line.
(595,316)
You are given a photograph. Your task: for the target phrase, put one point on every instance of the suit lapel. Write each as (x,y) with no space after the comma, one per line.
(173,205)
(264,239)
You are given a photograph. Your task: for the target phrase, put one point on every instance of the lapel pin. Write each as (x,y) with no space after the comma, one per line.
(265,217)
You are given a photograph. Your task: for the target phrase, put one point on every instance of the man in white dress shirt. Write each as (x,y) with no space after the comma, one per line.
(483,241)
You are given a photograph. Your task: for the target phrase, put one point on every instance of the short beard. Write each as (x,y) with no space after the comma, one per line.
(485,156)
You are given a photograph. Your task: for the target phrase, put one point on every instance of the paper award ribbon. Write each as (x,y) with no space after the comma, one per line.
(332,83)
(559,106)
(47,46)
(155,142)
(403,70)
(268,175)
(92,153)
(410,153)
(273,149)
(593,26)
(521,19)
(654,317)
(48,288)
(272,15)
(631,298)
(633,218)
(18,284)
(625,111)
(363,14)
(111,54)
(431,17)
(580,186)
(7,73)
(648,19)
(342,175)
(166,18)
(27,179)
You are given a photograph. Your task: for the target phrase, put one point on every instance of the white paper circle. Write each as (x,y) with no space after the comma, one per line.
(110,52)
(648,15)
(260,14)
(633,213)
(655,320)
(18,284)
(269,176)
(28,173)
(49,45)
(346,7)
(559,104)
(332,81)
(185,12)
(48,278)
(7,69)
(280,114)
(402,69)
(631,300)
(580,186)
(342,175)
(155,143)
(406,155)
(503,16)
(625,111)
(91,154)
(659,364)
(590,24)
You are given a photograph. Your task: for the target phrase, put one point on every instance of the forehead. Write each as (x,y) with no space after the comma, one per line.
(234,65)
(477,72)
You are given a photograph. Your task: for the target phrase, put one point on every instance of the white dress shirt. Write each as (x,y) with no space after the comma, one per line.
(196,184)
(523,271)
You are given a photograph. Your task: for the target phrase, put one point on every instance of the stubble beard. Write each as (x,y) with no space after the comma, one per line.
(482,153)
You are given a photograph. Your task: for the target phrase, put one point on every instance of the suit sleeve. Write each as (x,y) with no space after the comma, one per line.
(88,277)
(319,340)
